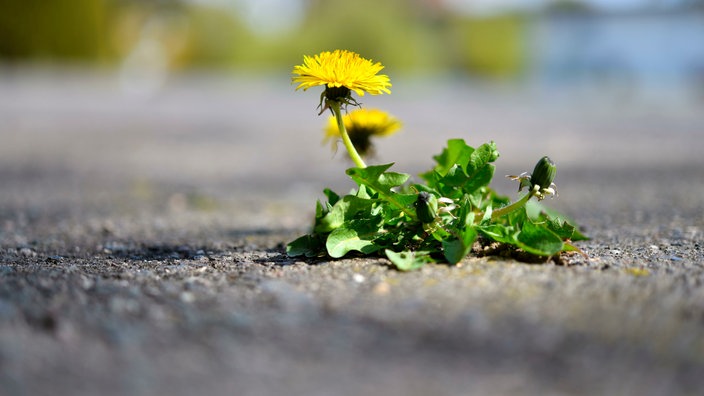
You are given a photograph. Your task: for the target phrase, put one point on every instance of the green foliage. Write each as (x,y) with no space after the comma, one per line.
(441,220)
(492,46)
(69,29)
(410,36)
(408,261)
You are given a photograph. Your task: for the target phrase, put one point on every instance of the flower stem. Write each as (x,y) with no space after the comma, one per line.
(510,208)
(335,106)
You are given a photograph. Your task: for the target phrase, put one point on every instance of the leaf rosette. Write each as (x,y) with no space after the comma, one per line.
(439,221)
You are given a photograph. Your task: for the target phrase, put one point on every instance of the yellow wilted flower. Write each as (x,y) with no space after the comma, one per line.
(361,125)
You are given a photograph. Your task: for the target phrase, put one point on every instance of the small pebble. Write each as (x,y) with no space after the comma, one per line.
(187,297)
(27,252)
(382,289)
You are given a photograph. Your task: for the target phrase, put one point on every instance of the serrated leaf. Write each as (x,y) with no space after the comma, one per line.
(345,209)
(456,152)
(307,245)
(558,223)
(408,260)
(382,182)
(343,240)
(480,157)
(479,169)
(561,227)
(319,210)
(539,240)
(331,196)
(377,178)
(577,235)
(381,214)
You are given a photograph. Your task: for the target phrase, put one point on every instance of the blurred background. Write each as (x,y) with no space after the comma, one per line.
(196,94)
(638,45)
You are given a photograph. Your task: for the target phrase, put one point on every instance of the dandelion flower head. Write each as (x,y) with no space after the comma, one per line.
(341,68)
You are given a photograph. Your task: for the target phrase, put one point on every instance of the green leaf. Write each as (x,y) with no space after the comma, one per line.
(405,200)
(431,178)
(343,240)
(344,209)
(561,227)
(382,214)
(486,218)
(457,152)
(454,250)
(499,233)
(307,245)
(363,192)
(558,223)
(455,177)
(480,178)
(408,260)
(377,178)
(455,156)
(457,249)
(320,211)
(382,182)
(465,216)
(480,157)
(578,236)
(479,169)
(331,196)
(570,247)
(462,166)
(539,240)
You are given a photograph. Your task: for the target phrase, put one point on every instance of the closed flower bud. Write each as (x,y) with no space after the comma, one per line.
(426,207)
(544,173)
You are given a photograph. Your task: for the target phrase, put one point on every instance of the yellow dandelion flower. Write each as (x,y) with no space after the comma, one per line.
(341,69)
(341,72)
(361,125)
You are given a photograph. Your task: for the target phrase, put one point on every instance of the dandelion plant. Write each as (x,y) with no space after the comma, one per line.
(452,214)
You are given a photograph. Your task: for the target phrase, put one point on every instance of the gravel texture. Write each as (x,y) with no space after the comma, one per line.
(142,248)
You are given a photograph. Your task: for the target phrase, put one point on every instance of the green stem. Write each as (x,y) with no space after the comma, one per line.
(335,106)
(510,208)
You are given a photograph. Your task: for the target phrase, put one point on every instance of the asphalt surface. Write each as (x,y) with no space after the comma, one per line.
(142,245)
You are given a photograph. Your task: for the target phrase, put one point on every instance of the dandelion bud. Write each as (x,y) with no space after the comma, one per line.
(544,173)
(338,94)
(426,207)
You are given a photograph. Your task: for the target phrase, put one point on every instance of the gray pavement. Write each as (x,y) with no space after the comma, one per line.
(141,246)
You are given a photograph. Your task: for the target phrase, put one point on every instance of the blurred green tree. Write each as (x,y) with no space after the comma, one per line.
(492,46)
(413,35)
(46,29)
